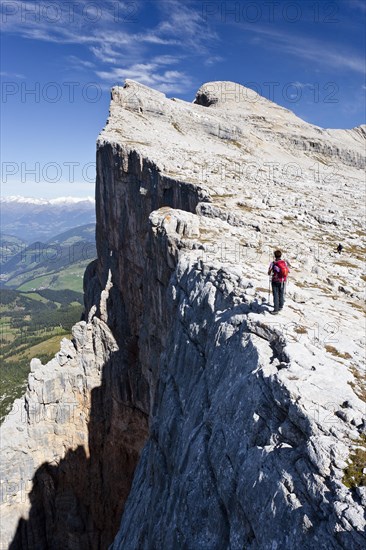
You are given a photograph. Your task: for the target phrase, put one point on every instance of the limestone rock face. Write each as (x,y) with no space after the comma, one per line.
(241,424)
(58,445)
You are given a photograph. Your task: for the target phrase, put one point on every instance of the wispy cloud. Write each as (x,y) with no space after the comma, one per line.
(182,26)
(212,60)
(151,74)
(302,85)
(5,74)
(320,52)
(78,63)
(179,27)
(327,57)
(357,4)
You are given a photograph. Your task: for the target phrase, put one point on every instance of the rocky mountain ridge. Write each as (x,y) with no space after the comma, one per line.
(244,427)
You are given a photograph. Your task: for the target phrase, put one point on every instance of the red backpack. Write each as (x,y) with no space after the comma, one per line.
(284,270)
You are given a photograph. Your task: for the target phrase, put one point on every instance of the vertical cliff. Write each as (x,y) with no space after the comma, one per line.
(242,425)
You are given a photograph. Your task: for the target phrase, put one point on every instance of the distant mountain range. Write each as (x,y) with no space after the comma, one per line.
(46,264)
(32,219)
(46,243)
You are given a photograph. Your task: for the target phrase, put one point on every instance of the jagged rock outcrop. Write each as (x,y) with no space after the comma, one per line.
(252,419)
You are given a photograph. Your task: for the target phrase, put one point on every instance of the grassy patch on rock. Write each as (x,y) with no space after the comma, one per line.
(359,386)
(300,329)
(177,127)
(354,473)
(337,353)
(359,306)
(346,263)
(245,207)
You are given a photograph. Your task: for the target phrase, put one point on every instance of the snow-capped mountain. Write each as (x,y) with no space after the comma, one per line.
(17,199)
(34,219)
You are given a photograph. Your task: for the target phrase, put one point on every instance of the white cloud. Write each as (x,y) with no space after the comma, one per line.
(104,53)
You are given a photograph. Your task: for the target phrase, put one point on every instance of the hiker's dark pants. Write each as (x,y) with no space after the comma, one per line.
(278,290)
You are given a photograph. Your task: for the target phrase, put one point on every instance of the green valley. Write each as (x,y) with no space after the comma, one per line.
(41,298)
(32,325)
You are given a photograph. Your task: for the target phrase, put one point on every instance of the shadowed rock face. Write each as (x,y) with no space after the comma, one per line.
(60,442)
(239,438)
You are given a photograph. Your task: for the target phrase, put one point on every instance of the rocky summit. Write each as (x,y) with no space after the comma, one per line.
(183,415)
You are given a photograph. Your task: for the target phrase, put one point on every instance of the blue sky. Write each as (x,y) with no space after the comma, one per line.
(60,59)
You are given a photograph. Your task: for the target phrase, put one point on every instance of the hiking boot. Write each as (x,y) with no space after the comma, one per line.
(274,312)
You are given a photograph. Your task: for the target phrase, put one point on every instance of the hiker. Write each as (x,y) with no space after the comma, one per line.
(279,271)
(339,248)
